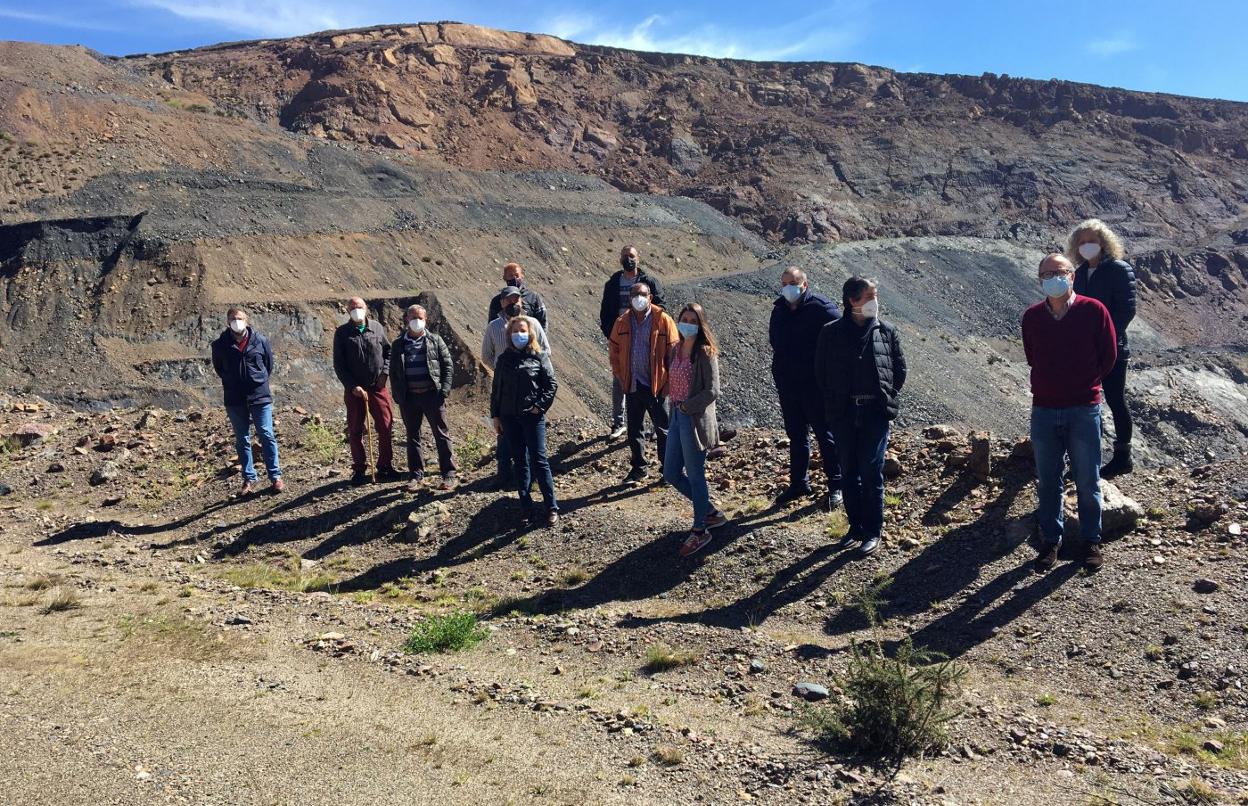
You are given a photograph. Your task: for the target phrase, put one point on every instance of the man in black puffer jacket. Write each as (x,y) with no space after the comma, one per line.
(1104,276)
(243,361)
(860,370)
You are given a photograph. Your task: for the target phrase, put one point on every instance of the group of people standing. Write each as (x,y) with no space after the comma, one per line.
(838,377)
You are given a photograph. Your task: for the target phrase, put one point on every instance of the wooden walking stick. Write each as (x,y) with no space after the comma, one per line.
(370,461)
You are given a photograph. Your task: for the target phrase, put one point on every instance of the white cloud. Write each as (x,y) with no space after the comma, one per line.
(260,17)
(1113,46)
(658,33)
(60,22)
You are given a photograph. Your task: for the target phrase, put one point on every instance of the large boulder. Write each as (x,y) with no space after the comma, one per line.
(1119,512)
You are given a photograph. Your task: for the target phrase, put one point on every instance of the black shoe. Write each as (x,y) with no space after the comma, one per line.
(834,500)
(1120,465)
(635,477)
(848,541)
(1094,559)
(869,546)
(388,474)
(726,434)
(792,494)
(1047,558)
(360,479)
(501,484)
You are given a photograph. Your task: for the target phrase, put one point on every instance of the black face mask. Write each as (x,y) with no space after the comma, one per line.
(513,310)
(629,264)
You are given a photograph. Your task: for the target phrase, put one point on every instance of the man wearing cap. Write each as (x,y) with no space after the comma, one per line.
(513,277)
(362,364)
(494,344)
(243,361)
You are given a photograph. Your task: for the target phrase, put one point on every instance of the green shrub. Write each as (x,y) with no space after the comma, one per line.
(325,445)
(661,657)
(472,449)
(895,706)
(449,633)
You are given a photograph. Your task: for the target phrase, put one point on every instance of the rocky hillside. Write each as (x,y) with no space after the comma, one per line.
(140,196)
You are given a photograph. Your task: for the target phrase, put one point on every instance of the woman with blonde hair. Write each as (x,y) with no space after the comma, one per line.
(693,386)
(1103,275)
(523,391)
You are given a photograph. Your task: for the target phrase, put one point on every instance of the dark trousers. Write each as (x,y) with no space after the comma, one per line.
(861,439)
(383,425)
(1114,386)
(503,453)
(416,408)
(802,414)
(636,405)
(526,434)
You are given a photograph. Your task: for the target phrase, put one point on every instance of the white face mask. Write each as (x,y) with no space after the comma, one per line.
(417,326)
(357,315)
(791,293)
(870,309)
(238,325)
(1087,251)
(640,304)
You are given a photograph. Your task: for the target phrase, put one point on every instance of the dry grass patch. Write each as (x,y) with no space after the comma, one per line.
(63,599)
(669,756)
(272,577)
(660,658)
(154,635)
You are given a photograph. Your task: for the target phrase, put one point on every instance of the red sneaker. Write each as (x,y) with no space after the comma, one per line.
(695,542)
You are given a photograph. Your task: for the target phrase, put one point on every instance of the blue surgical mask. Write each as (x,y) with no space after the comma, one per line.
(520,340)
(791,293)
(687,329)
(1057,286)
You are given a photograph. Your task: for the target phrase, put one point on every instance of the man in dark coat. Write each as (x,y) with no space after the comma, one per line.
(243,360)
(615,301)
(797,317)
(422,372)
(860,370)
(362,364)
(1104,276)
(513,277)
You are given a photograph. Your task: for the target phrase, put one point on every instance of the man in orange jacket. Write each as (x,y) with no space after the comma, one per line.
(640,341)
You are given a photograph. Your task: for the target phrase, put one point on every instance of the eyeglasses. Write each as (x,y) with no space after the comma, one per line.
(1049,275)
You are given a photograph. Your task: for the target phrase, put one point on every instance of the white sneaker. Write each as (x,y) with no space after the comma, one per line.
(617,432)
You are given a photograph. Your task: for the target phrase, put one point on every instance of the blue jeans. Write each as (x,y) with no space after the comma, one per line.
(526,436)
(861,439)
(1055,433)
(684,466)
(242,417)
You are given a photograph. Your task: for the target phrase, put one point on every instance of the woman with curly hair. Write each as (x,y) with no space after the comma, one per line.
(1103,275)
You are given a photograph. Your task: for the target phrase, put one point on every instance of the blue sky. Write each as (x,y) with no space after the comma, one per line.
(1189,48)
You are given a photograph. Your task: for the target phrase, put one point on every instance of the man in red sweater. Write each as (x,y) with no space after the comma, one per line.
(1071,345)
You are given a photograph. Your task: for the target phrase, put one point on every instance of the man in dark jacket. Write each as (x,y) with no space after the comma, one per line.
(860,370)
(362,364)
(1105,277)
(513,277)
(615,301)
(797,318)
(422,370)
(243,361)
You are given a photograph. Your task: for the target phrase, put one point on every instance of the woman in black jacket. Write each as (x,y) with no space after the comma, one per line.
(860,369)
(524,389)
(1104,276)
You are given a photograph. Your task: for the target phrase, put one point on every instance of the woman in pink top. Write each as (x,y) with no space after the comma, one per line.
(693,386)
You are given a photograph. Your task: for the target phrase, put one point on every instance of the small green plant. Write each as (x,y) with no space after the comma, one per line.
(895,706)
(574,576)
(472,449)
(1199,793)
(1046,700)
(892,500)
(660,658)
(324,444)
(445,633)
(63,599)
(1154,653)
(1206,700)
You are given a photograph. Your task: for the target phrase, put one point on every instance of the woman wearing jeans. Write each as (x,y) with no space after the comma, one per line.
(693,386)
(524,389)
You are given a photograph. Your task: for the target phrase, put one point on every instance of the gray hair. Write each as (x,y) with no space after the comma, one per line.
(411,309)
(798,274)
(1057,257)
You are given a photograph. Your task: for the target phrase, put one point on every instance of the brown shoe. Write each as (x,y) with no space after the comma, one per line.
(1094,558)
(448,482)
(247,489)
(552,518)
(1047,558)
(416,484)
(278,485)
